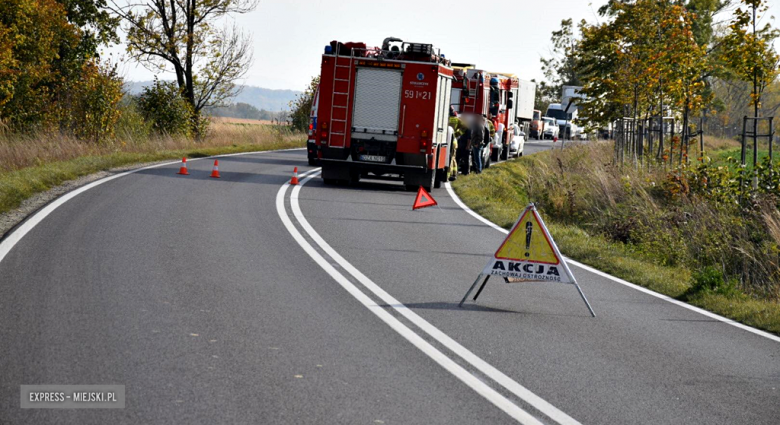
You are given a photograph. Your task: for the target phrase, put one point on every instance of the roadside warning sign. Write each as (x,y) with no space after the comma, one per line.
(528,254)
(424,199)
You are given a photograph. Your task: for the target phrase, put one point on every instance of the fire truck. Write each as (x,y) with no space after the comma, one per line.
(503,98)
(383,111)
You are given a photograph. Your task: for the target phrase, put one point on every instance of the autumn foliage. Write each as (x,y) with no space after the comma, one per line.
(50,75)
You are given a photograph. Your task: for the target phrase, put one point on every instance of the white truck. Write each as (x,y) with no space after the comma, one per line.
(566,112)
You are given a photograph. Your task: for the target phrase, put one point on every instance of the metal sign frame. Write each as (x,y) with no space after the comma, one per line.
(532,209)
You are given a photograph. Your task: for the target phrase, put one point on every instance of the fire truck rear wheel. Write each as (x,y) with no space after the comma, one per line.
(441,175)
(331,182)
(430,180)
(312,161)
(354,177)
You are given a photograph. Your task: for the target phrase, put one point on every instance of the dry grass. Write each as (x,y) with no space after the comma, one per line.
(712,143)
(21,151)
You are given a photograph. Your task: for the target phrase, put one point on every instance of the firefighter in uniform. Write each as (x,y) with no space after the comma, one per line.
(453,165)
(477,139)
(464,151)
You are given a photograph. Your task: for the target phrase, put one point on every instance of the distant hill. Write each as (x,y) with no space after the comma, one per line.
(260,98)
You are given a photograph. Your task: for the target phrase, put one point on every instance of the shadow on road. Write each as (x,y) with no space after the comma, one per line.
(402,221)
(226,176)
(452,306)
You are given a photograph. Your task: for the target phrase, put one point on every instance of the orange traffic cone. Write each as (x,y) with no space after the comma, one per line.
(215,171)
(183,169)
(294,180)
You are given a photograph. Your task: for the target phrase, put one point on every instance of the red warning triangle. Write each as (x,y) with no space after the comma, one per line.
(424,199)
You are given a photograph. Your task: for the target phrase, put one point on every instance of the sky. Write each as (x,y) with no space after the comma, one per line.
(501,35)
(289,35)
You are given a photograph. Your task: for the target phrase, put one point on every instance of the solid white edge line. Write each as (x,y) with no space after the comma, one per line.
(709,314)
(499,377)
(448,364)
(14,237)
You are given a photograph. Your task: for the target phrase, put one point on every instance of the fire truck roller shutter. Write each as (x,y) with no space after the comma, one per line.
(377,102)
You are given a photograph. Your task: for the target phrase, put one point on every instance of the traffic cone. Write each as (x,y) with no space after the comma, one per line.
(215,171)
(183,169)
(294,180)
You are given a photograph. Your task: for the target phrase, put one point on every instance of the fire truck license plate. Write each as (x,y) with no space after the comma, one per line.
(373,158)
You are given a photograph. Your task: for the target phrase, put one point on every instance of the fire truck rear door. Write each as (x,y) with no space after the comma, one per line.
(377,102)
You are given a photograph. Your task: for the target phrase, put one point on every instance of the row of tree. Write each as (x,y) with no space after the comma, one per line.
(52,75)
(650,57)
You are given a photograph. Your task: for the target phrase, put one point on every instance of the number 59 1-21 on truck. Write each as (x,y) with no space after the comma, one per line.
(383,111)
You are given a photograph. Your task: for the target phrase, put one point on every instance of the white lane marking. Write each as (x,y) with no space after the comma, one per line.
(481,365)
(709,314)
(448,364)
(12,239)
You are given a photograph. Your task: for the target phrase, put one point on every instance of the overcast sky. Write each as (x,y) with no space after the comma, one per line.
(501,35)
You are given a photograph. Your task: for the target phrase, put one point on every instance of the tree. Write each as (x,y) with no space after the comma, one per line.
(97,28)
(49,71)
(301,106)
(183,35)
(32,33)
(749,55)
(560,68)
(644,56)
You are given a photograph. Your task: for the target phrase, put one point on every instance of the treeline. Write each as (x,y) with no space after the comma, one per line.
(52,76)
(646,58)
(246,111)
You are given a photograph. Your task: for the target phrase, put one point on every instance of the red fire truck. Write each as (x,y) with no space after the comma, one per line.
(478,92)
(383,110)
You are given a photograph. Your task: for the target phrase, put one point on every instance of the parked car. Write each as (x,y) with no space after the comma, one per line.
(551,129)
(517,144)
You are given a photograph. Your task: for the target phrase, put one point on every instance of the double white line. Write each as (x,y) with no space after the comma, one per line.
(470,379)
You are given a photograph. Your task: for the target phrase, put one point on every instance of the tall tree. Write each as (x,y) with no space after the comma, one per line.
(747,51)
(184,35)
(560,68)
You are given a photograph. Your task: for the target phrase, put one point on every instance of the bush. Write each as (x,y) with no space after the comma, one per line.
(710,280)
(164,107)
(131,124)
(88,108)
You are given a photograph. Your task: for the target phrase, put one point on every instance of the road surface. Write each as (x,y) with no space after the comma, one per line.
(244,300)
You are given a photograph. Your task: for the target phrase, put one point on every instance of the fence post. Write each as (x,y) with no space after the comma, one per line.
(771,139)
(671,146)
(744,128)
(701,138)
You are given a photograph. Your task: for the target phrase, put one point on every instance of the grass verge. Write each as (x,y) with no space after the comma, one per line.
(503,191)
(18,185)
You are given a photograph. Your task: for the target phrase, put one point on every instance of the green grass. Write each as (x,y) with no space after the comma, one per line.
(722,157)
(499,195)
(16,186)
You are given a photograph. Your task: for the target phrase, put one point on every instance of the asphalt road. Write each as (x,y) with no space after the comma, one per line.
(194,294)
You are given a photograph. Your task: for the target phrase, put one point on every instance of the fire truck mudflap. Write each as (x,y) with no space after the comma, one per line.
(387,110)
